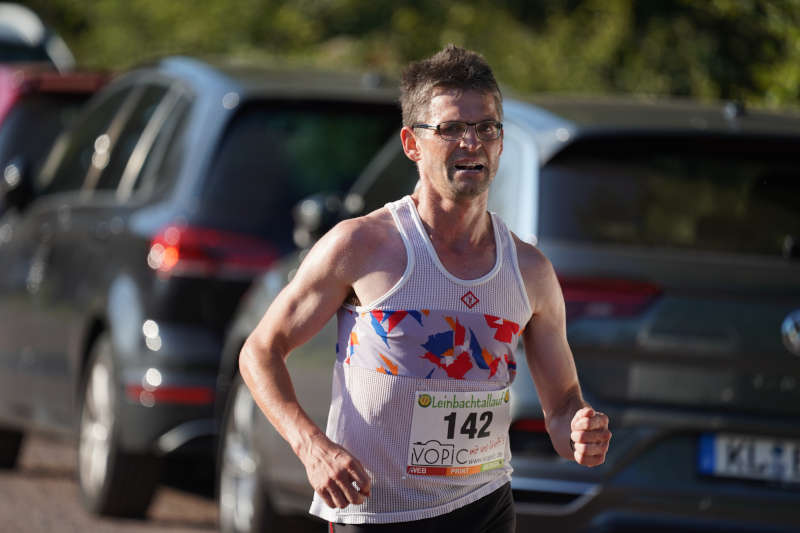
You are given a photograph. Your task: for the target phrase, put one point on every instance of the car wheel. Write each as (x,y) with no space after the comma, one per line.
(112,482)
(10,445)
(243,501)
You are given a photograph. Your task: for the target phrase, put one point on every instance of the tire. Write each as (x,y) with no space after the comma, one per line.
(242,494)
(111,481)
(10,445)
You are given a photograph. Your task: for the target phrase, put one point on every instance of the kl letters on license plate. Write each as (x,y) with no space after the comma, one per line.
(750,457)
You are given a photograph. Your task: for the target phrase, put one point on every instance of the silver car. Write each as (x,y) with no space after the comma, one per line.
(675,231)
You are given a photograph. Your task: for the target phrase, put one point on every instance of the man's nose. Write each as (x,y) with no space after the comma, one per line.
(470,139)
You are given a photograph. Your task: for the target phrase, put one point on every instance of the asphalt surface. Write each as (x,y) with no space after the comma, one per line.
(41,495)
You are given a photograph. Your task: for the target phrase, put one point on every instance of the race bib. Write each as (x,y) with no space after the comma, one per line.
(458,433)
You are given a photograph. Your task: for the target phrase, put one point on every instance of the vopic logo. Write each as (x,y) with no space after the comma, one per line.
(432,453)
(790,330)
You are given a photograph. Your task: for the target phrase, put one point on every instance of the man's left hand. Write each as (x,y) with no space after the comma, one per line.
(590,437)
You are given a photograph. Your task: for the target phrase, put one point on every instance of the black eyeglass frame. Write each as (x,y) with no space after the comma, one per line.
(438,129)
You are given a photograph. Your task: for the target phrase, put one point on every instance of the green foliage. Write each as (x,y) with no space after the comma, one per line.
(747,50)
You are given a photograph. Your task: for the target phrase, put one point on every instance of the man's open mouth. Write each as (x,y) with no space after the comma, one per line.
(469,167)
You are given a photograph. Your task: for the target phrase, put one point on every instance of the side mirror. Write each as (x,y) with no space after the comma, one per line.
(16,183)
(314,215)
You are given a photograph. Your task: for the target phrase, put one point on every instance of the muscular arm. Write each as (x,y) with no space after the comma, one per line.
(300,311)
(567,415)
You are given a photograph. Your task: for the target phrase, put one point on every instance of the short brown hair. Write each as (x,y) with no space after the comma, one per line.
(451,68)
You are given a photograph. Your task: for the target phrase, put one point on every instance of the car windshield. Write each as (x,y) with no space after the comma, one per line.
(273,155)
(706,193)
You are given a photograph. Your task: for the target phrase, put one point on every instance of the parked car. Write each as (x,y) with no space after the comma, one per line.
(35,105)
(673,228)
(25,39)
(149,219)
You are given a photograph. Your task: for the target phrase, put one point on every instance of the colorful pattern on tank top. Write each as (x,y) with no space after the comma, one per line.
(430,344)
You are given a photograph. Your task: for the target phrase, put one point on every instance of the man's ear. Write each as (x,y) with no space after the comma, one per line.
(410,146)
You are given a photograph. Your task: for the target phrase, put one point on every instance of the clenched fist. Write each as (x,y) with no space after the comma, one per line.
(589,437)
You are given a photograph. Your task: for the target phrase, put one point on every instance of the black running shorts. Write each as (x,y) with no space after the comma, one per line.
(494,513)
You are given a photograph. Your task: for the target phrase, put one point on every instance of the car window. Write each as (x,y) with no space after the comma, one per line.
(126,139)
(395,179)
(69,160)
(705,193)
(164,156)
(274,155)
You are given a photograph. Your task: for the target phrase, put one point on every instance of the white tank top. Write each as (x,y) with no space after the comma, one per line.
(420,384)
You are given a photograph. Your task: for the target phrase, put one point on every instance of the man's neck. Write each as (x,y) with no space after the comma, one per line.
(455,223)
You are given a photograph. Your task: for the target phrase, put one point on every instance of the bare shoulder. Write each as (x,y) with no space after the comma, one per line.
(368,229)
(533,264)
(541,283)
(372,232)
(354,246)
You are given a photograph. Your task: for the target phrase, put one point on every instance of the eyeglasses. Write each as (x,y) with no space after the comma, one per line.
(454,130)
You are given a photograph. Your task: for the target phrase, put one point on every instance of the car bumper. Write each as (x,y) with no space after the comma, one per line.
(620,509)
(168,394)
(647,486)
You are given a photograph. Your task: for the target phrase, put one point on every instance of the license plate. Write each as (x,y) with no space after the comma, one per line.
(749,457)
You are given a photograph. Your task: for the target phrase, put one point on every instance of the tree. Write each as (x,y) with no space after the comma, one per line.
(746,50)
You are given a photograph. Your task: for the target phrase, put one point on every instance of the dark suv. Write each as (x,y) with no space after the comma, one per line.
(674,229)
(150,218)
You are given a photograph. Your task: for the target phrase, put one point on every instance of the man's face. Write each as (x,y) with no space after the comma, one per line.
(465,168)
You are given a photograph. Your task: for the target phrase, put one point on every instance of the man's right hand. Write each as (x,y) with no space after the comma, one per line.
(322,283)
(339,478)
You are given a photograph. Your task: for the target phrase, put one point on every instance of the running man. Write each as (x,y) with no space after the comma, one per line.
(432,294)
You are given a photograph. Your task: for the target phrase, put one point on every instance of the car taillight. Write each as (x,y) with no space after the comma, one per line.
(75,82)
(150,396)
(600,298)
(202,252)
(529,425)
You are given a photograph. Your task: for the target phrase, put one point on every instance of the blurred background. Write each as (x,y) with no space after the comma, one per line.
(152,206)
(746,50)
